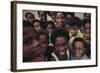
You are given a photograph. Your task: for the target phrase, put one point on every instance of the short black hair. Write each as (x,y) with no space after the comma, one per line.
(29,13)
(80,40)
(59,33)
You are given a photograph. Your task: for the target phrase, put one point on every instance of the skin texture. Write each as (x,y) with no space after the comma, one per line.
(32,51)
(49,28)
(73,30)
(43,42)
(61,48)
(37,26)
(60,20)
(78,49)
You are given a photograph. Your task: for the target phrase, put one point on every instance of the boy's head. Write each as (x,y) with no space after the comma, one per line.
(60,39)
(42,15)
(50,26)
(31,47)
(29,16)
(87,16)
(36,25)
(60,19)
(72,27)
(78,47)
(43,38)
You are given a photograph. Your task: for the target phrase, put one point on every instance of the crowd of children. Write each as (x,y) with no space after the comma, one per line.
(64,37)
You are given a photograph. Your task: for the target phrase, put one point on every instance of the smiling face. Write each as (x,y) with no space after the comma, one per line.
(60,19)
(60,45)
(78,49)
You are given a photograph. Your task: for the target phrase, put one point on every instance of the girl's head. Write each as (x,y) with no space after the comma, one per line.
(78,47)
(36,25)
(50,26)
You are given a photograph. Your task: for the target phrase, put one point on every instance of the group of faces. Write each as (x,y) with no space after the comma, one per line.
(36,39)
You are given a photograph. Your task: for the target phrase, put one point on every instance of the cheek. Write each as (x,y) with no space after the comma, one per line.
(79,52)
(44,46)
(27,50)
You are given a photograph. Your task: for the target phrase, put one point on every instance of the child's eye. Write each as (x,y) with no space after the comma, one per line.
(27,41)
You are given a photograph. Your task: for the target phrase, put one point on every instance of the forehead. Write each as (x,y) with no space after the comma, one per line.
(36,22)
(60,39)
(79,43)
(59,14)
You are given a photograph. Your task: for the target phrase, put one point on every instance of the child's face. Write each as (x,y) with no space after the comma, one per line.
(61,46)
(37,26)
(60,20)
(43,42)
(43,16)
(31,47)
(87,16)
(87,26)
(30,17)
(53,15)
(87,36)
(49,28)
(72,30)
(78,49)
